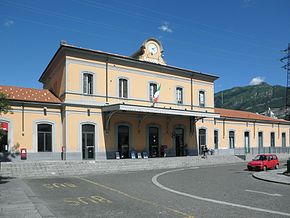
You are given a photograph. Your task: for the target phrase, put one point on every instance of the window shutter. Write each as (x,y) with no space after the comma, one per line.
(85,84)
(120,88)
(125,89)
(90,84)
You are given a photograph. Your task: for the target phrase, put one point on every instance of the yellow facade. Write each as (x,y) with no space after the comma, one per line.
(92,120)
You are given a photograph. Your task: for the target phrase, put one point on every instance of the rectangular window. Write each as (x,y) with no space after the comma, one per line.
(179,95)
(87,83)
(260,139)
(201,99)
(232,139)
(283,139)
(123,88)
(216,139)
(247,142)
(152,90)
(272,139)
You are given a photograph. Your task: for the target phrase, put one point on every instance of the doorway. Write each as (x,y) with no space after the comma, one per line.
(4,139)
(153,142)
(202,138)
(88,141)
(179,141)
(123,141)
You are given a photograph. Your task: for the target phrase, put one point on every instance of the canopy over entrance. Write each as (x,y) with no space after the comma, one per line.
(156,110)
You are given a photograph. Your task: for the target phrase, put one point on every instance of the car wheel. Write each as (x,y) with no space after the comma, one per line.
(277,166)
(264,168)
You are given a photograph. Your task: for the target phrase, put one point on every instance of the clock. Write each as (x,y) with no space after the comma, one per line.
(152,48)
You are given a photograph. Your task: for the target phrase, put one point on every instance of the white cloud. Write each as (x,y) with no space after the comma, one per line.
(8,23)
(165,27)
(257,80)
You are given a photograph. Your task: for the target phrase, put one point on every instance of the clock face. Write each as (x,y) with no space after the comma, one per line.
(152,48)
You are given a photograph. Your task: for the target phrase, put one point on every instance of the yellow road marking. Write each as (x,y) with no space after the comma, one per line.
(77,201)
(136,198)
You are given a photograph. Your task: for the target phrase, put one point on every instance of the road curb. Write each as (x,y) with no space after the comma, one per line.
(255,175)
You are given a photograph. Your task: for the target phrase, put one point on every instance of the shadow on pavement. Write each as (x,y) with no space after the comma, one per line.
(4,180)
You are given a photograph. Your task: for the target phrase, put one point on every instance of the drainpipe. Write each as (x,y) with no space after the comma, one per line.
(191,94)
(107,88)
(22,124)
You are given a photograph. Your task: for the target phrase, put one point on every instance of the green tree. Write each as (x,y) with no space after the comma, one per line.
(4,107)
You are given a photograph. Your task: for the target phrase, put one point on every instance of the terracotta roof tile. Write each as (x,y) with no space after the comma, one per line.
(29,94)
(245,115)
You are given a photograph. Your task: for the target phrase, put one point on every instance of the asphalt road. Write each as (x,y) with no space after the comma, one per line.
(222,191)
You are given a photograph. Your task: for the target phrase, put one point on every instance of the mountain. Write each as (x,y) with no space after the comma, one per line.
(253,98)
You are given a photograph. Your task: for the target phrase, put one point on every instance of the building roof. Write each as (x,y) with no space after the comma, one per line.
(64,48)
(29,94)
(237,114)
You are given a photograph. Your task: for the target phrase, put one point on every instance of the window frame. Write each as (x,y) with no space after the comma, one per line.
(179,94)
(90,88)
(44,134)
(260,132)
(234,141)
(216,145)
(283,134)
(151,97)
(121,91)
(200,103)
(274,141)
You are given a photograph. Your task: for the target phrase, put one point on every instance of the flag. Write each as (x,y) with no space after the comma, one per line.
(157,93)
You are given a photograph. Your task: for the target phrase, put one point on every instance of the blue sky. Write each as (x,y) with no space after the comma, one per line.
(238,40)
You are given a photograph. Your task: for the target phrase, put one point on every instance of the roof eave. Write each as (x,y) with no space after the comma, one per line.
(191,73)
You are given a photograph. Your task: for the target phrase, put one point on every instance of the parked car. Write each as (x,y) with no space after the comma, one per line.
(264,162)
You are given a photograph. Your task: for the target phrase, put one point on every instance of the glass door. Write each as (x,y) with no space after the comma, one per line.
(88,141)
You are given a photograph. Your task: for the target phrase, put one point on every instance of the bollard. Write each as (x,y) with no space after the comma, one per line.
(288,165)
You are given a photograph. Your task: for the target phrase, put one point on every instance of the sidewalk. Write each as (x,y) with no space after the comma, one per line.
(17,200)
(29,169)
(275,176)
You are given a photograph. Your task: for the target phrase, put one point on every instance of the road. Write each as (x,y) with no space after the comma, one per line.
(221,191)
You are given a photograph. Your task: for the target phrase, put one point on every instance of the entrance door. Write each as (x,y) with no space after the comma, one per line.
(88,141)
(179,142)
(247,142)
(123,141)
(202,138)
(4,139)
(153,142)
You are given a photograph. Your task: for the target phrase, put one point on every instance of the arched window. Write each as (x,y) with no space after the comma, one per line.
(272,136)
(44,137)
(232,139)
(88,83)
(179,95)
(152,90)
(123,88)
(201,99)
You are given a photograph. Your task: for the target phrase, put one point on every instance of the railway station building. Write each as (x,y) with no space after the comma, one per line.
(96,105)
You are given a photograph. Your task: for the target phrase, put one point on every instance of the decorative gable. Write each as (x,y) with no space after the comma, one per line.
(150,51)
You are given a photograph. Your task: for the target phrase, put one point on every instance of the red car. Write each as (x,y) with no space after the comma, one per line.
(264,162)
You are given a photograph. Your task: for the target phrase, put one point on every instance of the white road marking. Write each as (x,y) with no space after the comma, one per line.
(155,181)
(264,193)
